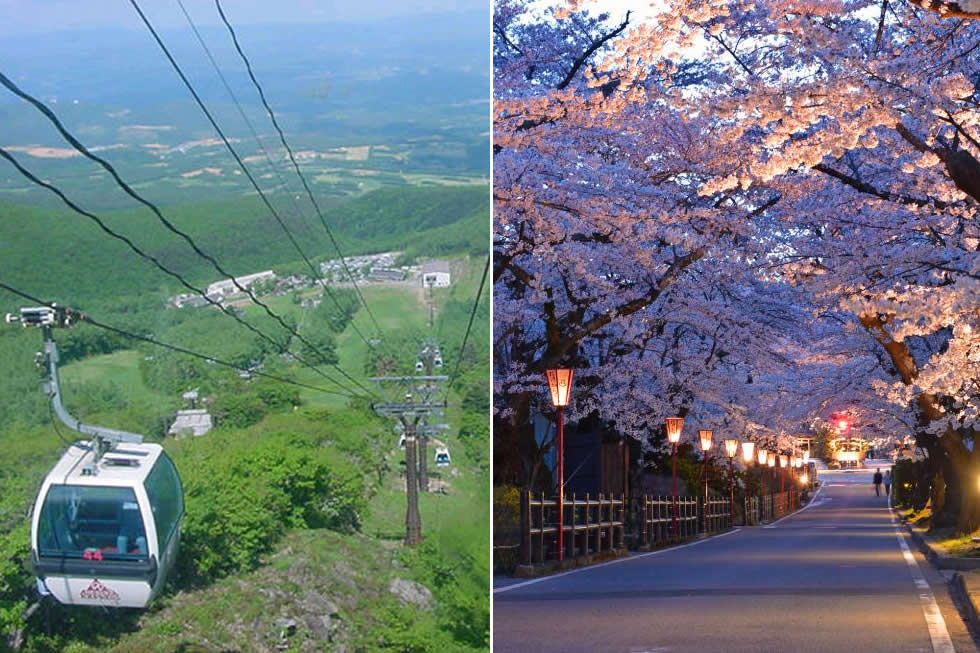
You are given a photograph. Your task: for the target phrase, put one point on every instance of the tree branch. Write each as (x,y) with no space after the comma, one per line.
(598,43)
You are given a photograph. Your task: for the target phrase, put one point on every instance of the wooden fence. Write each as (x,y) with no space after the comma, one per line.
(656,519)
(596,525)
(753,515)
(770,507)
(590,526)
(717,515)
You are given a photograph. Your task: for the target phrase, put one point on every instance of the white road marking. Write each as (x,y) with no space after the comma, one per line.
(611,562)
(941,641)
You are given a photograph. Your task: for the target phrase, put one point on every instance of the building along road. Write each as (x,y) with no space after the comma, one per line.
(832,577)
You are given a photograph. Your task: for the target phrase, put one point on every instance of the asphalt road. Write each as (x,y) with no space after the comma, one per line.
(832,577)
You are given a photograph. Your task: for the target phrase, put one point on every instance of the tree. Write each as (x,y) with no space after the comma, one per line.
(649,293)
(807,161)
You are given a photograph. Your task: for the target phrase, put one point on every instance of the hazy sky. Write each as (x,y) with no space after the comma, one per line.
(31,16)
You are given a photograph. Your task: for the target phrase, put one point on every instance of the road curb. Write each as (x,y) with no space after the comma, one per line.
(936,557)
(551,567)
(967,600)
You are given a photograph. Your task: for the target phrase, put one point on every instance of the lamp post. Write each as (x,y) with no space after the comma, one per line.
(763,457)
(560,385)
(704,435)
(783,464)
(771,461)
(674,426)
(748,456)
(794,464)
(731,448)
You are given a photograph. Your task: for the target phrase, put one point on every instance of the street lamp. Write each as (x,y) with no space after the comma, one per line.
(806,457)
(674,426)
(762,456)
(748,452)
(704,435)
(731,448)
(794,463)
(771,461)
(783,464)
(560,385)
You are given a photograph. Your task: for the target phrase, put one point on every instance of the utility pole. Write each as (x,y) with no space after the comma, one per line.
(430,358)
(418,402)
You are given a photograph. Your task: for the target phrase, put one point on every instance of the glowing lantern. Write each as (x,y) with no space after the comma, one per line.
(560,384)
(731,447)
(705,436)
(674,426)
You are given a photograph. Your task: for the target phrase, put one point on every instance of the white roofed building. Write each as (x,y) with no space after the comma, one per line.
(227,286)
(435,273)
(194,421)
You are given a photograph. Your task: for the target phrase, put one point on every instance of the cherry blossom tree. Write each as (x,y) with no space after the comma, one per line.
(787,189)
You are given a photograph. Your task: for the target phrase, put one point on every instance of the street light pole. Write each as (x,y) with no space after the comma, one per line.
(674,427)
(763,457)
(748,456)
(771,461)
(783,462)
(560,385)
(705,436)
(731,448)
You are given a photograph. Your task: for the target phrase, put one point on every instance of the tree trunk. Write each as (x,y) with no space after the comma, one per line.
(969,519)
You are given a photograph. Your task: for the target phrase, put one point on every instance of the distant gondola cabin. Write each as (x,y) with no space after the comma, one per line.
(442,457)
(107,533)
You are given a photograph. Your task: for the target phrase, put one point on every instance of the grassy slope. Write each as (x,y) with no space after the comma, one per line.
(350,571)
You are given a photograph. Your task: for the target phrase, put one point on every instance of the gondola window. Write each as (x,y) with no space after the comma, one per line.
(91,522)
(166,499)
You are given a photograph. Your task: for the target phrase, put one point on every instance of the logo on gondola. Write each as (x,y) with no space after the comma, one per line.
(96,591)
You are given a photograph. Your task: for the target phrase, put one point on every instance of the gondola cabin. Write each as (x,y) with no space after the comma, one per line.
(105,532)
(442,457)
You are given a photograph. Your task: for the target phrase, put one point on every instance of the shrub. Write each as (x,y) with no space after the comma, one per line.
(239,409)
(241,500)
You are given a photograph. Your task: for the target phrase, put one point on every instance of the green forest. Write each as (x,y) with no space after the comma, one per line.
(294,503)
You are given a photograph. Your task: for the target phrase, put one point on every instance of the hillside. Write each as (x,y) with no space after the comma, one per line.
(306,554)
(64,256)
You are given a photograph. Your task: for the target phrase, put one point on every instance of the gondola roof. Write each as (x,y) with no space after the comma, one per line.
(124,465)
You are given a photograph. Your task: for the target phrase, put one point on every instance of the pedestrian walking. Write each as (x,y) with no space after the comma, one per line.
(877,482)
(888,482)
